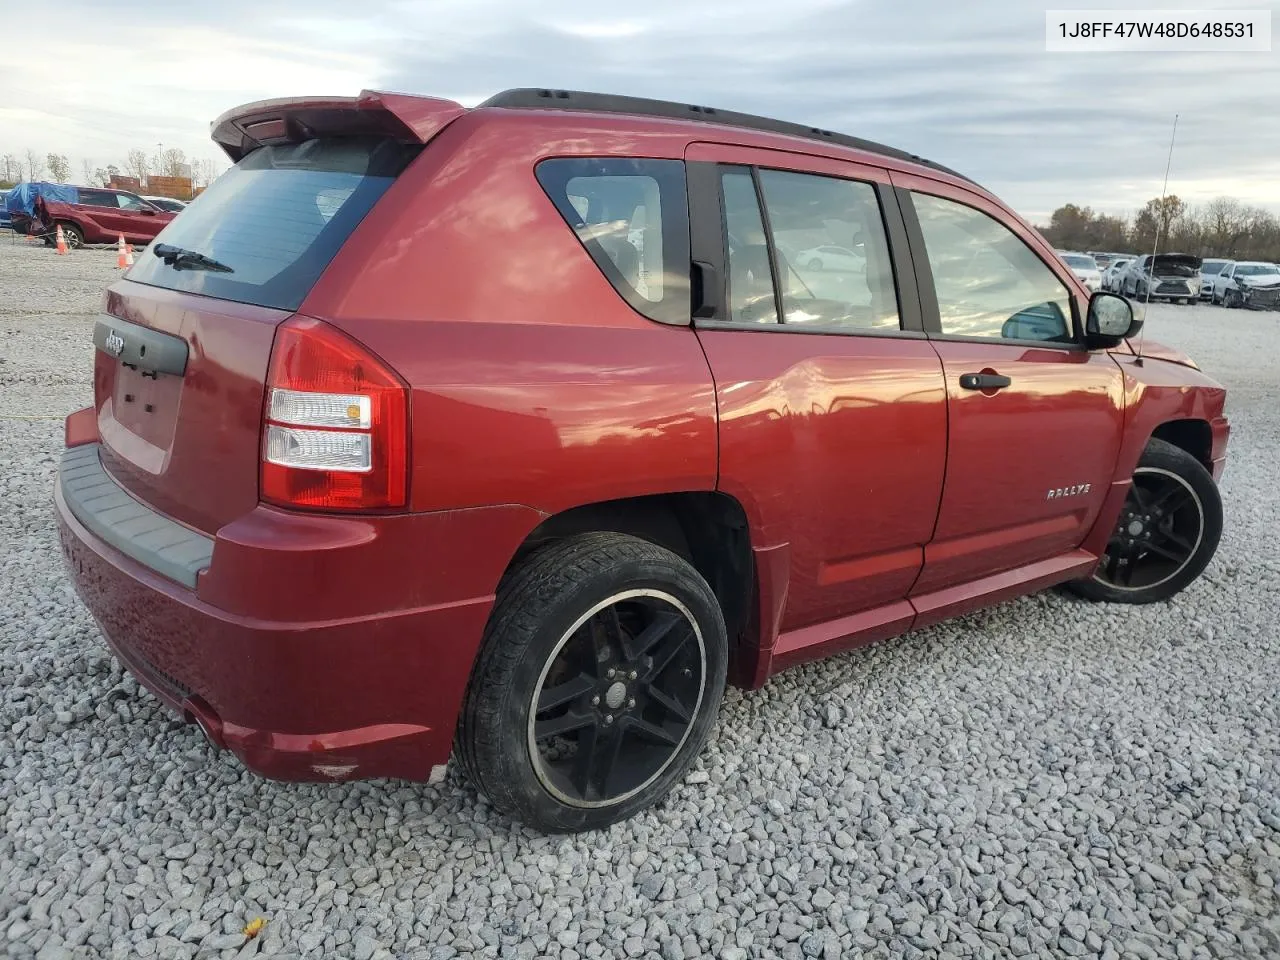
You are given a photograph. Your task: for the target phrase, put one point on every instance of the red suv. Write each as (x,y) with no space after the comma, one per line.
(514,433)
(103,216)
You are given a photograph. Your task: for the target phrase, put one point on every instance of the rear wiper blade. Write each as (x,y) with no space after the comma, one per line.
(179,258)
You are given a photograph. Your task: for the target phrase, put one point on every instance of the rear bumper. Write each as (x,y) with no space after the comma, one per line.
(346,693)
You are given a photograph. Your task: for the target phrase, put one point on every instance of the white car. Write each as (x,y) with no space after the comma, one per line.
(1235,285)
(1085,268)
(1209,270)
(1111,275)
(831,258)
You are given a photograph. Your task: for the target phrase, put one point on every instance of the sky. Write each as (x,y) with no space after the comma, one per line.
(968,85)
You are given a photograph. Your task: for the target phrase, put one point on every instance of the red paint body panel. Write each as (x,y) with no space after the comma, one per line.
(194,456)
(335,630)
(878,497)
(825,440)
(1007,451)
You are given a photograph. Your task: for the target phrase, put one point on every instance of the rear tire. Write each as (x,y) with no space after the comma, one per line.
(597,684)
(1167,532)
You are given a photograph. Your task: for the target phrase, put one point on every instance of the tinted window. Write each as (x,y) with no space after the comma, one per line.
(989,283)
(98,198)
(1084,263)
(277,218)
(1212,266)
(807,214)
(750,295)
(128,201)
(632,216)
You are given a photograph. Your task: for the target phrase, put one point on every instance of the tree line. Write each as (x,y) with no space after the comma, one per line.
(1224,228)
(137,163)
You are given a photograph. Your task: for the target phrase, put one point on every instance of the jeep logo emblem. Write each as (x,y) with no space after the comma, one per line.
(114,344)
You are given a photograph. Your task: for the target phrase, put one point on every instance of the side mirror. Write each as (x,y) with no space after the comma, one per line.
(149,211)
(1111,319)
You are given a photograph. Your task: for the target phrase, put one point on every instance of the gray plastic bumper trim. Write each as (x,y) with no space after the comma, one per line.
(105,508)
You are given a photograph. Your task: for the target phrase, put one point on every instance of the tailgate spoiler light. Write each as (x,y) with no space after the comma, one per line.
(244,129)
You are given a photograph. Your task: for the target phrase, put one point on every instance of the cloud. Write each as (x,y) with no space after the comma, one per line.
(970,86)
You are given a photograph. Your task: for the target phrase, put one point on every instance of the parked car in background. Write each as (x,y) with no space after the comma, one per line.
(1209,270)
(6,221)
(831,258)
(1174,277)
(102,215)
(167,204)
(1104,260)
(1084,267)
(1111,275)
(536,519)
(1245,283)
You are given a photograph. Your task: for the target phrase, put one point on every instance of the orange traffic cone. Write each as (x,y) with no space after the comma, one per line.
(62,242)
(121,260)
(128,255)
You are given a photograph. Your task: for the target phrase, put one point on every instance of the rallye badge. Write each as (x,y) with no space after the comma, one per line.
(1058,492)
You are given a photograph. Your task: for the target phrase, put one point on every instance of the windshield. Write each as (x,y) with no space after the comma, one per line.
(276,219)
(1255,269)
(1083,263)
(1213,266)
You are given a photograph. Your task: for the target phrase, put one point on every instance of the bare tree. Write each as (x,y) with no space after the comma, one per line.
(1226,223)
(35,166)
(136,164)
(12,168)
(204,172)
(172,162)
(86,168)
(59,167)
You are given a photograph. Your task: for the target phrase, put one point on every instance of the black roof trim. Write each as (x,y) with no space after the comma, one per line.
(541,99)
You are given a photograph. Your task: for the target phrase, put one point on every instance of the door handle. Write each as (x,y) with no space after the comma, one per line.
(983,381)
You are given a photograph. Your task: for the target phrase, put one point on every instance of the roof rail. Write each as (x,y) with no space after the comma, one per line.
(540,99)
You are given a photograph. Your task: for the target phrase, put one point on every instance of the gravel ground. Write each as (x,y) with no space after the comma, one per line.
(1047,778)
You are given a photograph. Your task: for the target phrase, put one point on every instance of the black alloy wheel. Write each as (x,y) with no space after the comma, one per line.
(597,684)
(617,699)
(1167,531)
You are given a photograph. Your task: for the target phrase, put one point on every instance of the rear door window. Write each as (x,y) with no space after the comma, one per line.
(847,285)
(277,218)
(632,217)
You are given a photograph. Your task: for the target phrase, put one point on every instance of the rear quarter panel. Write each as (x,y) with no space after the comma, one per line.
(533,381)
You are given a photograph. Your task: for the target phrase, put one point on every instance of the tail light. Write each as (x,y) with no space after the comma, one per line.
(337,427)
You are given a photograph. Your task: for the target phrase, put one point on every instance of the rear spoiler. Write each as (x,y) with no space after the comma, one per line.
(244,129)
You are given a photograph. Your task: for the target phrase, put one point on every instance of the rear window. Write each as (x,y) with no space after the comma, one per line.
(277,218)
(632,215)
(1084,263)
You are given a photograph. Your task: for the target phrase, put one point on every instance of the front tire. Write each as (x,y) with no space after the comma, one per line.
(1167,532)
(597,684)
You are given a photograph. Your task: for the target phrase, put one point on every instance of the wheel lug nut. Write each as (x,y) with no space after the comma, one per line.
(608,719)
(632,675)
(631,703)
(595,701)
(612,673)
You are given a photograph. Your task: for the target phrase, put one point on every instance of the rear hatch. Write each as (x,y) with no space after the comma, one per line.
(179,384)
